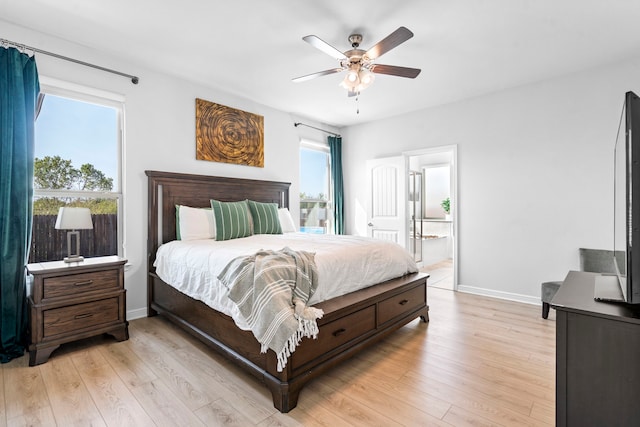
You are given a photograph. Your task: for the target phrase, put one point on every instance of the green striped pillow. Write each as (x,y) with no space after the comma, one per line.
(232,219)
(265,218)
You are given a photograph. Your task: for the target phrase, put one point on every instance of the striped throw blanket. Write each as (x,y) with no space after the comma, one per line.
(271,290)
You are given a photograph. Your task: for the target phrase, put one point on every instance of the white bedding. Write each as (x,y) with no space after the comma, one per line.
(345,264)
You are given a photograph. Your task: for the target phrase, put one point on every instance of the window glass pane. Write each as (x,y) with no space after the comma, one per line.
(76,156)
(315,203)
(76,145)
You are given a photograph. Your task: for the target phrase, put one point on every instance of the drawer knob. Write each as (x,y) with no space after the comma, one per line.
(339,332)
(83,316)
(86,282)
(403,302)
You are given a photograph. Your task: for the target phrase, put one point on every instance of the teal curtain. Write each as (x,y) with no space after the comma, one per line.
(335,151)
(19,89)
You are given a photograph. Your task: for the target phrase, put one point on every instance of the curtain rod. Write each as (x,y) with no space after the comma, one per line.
(5,43)
(321,130)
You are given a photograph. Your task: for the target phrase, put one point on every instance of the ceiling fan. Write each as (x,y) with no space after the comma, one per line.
(359,63)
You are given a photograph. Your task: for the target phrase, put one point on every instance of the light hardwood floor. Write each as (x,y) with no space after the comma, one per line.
(479,362)
(440,274)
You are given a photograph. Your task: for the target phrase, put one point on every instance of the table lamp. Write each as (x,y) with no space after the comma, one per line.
(73,219)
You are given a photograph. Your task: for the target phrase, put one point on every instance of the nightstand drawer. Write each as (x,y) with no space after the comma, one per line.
(71,285)
(75,317)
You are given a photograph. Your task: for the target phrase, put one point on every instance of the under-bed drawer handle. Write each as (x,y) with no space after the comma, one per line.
(403,302)
(86,282)
(83,316)
(339,332)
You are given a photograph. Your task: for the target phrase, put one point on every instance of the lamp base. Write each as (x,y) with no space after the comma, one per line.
(73,255)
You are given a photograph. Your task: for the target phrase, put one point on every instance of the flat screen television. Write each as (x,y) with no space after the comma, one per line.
(627,201)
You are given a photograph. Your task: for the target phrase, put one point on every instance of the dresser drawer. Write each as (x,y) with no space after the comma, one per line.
(334,334)
(75,317)
(71,285)
(403,303)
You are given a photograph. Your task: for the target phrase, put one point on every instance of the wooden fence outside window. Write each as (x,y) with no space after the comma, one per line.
(49,244)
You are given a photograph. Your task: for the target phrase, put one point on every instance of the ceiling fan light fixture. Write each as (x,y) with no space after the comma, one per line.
(366,77)
(351,80)
(357,79)
(353,75)
(348,85)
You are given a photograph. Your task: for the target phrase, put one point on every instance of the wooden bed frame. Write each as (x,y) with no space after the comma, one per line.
(350,323)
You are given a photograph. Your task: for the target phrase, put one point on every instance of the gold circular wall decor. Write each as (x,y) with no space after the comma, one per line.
(228,135)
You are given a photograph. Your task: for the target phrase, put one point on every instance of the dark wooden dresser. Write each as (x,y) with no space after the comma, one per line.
(597,357)
(70,301)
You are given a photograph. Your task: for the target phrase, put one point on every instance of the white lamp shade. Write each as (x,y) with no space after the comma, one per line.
(74,219)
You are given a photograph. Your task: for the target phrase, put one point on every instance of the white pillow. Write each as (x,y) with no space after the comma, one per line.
(286,222)
(195,223)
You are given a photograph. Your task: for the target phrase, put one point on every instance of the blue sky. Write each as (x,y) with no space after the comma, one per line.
(313,172)
(80,132)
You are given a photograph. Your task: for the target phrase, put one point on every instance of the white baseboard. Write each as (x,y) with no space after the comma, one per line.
(527,299)
(137,313)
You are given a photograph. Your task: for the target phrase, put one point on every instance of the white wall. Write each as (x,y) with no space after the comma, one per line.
(535,170)
(541,154)
(160,135)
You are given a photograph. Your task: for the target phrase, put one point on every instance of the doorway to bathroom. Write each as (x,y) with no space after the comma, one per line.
(432,213)
(412,201)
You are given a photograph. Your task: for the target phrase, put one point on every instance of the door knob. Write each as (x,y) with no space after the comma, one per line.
(370,224)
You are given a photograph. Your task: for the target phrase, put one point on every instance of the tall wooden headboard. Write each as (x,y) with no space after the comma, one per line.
(168,189)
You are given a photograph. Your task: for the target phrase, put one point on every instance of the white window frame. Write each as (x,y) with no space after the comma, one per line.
(324,147)
(55,87)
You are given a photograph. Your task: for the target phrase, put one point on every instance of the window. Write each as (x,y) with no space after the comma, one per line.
(316,207)
(77,164)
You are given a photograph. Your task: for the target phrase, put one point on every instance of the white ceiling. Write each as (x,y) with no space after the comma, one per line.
(254,48)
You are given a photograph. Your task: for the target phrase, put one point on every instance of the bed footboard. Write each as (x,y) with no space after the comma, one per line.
(350,324)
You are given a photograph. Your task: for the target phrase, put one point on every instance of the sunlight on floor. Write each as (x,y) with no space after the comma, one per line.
(441,274)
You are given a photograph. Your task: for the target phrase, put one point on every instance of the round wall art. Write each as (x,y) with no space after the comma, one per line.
(228,135)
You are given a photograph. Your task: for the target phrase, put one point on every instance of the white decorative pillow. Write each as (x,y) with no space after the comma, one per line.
(194,223)
(286,221)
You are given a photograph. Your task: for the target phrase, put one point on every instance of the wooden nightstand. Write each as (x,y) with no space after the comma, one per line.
(70,301)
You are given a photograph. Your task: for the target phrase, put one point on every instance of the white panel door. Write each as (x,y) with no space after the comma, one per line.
(386,204)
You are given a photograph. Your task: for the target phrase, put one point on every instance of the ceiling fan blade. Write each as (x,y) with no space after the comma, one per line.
(318,74)
(322,45)
(393,70)
(394,39)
